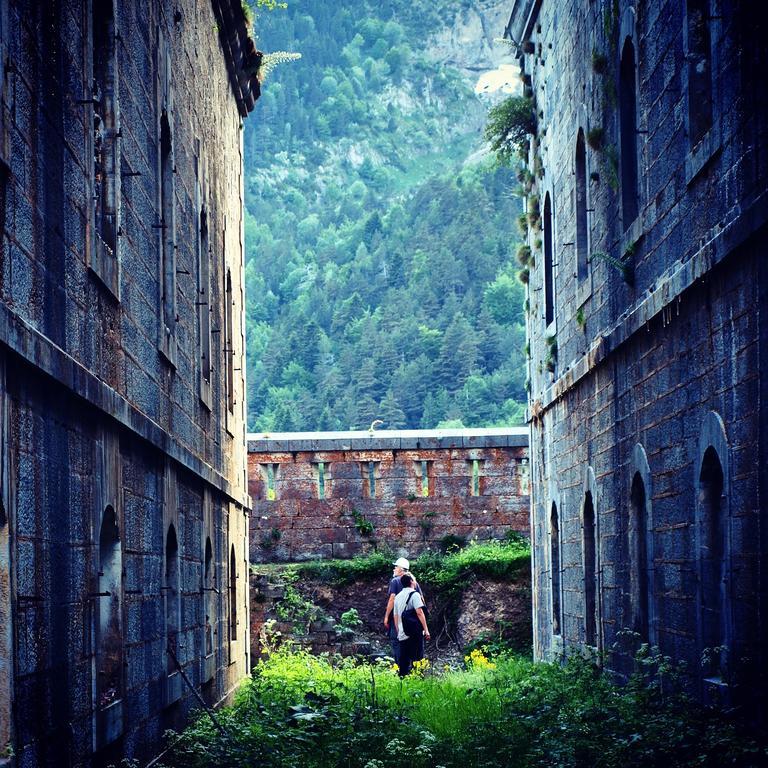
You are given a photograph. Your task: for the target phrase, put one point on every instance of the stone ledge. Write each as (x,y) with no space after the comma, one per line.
(669,287)
(45,356)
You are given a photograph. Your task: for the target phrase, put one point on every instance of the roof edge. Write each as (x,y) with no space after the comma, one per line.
(521,20)
(381,440)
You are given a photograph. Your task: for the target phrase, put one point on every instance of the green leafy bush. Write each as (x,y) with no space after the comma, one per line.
(509,125)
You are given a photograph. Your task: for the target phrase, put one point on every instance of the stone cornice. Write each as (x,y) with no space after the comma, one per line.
(389,440)
(679,277)
(42,354)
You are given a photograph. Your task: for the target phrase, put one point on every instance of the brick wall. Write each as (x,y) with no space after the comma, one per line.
(656,363)
(117,466)
(297,524)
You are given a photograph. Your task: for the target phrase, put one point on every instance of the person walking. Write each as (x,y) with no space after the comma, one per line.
(412,640)
(401,567)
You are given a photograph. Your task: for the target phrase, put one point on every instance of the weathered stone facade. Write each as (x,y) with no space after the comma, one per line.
(123,522)
(338,494)
(647,298)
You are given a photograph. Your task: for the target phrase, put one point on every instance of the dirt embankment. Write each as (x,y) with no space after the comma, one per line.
(480,607)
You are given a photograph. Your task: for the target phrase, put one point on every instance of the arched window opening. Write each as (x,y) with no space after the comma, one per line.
(172,598)
(109,657)
(208,586)
(590,571)
(232,595)
(554,550)
(628,131)
(699,60)
(712,555)
(582,235)
(638,553)
(549,269)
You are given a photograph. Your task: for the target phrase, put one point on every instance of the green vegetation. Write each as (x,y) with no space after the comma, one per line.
(321,712)
(295,609)
(510,124)
(380,260)
(436,570)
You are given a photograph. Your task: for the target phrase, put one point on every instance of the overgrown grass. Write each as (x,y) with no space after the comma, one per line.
(319,712)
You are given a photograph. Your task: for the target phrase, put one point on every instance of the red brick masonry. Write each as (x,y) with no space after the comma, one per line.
(293,519)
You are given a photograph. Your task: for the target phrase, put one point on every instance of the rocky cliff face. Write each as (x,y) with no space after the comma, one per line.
(467,43)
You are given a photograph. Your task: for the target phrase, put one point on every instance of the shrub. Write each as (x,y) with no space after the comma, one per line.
(509,125)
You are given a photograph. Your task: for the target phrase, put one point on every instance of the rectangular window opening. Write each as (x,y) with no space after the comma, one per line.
(105,140)
(475,477)
(425,478)
(320,480)
(271,472)
(372,479)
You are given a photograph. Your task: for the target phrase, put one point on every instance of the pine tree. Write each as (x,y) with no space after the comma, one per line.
(391,413)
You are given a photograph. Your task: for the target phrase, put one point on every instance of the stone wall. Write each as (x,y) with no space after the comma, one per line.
(648,430)
(123,503)
(293,519)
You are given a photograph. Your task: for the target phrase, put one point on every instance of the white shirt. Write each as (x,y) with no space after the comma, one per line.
(400,600)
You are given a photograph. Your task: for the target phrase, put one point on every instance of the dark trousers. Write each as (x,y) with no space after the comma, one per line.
(394,642)
(411,649)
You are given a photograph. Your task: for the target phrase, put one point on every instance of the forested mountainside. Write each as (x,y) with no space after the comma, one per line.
(380,238)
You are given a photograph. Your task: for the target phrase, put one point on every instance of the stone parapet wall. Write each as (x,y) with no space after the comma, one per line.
(294,519)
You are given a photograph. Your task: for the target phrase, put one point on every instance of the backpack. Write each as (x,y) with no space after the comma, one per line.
(410,620)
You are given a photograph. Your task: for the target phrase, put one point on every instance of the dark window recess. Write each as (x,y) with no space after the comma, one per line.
(109,656)
(699,61)
(208,603)
(638,546)
(232,595)
(712,555)
(229,351)
(549,269)
(172,597)
(167,251)
(590,572)
(204,297)
(105,187)
(582,235)
(628,133)
(554,559)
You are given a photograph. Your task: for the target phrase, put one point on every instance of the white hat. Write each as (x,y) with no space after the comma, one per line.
(401,562)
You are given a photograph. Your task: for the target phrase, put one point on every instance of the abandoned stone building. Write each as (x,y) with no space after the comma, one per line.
(123,515)
(339,494)
(647,300)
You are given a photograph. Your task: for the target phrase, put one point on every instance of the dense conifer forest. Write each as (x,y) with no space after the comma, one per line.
(380,238)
